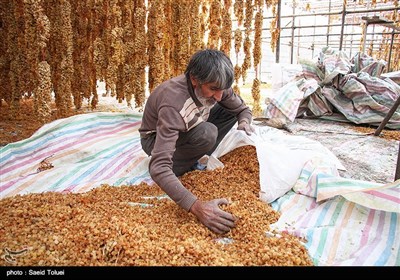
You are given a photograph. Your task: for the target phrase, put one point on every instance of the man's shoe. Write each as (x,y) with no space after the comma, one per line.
(201,164)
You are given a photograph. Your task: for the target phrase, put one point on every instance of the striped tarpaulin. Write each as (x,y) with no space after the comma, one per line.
(347,90)
(345,222)
(85,152)
(339,232)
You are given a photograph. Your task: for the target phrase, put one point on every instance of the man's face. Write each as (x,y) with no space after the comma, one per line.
(208,94)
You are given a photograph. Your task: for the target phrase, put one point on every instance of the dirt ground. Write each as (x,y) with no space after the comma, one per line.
(365,156)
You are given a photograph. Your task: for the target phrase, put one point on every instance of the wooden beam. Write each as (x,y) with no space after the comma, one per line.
(381,21)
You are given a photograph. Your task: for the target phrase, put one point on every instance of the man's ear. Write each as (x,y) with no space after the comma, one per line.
(194,81)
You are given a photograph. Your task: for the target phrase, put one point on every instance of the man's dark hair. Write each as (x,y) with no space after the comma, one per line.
(211,66)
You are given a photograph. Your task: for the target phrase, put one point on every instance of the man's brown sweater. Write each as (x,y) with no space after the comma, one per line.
(173,108)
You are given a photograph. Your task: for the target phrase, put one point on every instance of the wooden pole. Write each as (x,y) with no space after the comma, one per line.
(387,118)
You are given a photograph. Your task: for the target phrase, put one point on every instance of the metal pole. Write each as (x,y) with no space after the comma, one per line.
(365,36)
(313,45)
(278,26)
(329,23)
(390,51)
(342,28)
(298,39)
(325,25)
(292,48)
(351,39)
(332,34)
(347,12)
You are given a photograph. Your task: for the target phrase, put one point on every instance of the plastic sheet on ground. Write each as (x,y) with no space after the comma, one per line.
(345,222)
(337,88)
(85,152)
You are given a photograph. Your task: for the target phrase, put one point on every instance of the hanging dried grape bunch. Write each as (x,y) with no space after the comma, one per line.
(32,50)
(236,89)
(259,4)
(100,45)
(156,25)
(257,60)
(257,39)
(238,10)
(274,29)
(175,43)
(42,99)
(380,53)
(226,36)
(364,29)
(126,70)
(168,40)
(255,92)
(116,66)
(139,58)
(238,40)
(248,15)
(386,49)
(271,3)
(16,49)
(247,42)
(185,14)
(370,49)
(247,58)
(91,67)
(181,41)
(43,32)
(80,19)
(196,37)
(60,53)
(203,21)
(114,41)
(214,23)
(396,57)
(238,73)
(5,18)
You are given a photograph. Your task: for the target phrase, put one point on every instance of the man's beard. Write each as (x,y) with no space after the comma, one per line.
(207,102)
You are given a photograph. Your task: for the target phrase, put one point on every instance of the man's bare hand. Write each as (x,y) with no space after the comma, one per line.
(213,217)
(246,127)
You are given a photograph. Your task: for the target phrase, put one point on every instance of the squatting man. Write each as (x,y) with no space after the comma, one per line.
(184,119)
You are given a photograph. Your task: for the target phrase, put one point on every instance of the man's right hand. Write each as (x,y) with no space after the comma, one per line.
(246,127)
(212,216)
